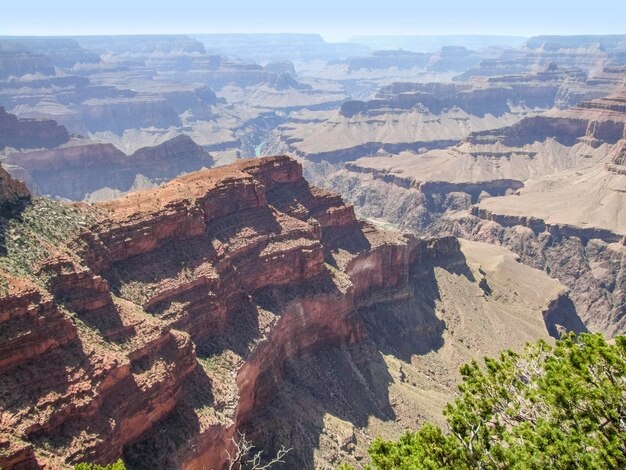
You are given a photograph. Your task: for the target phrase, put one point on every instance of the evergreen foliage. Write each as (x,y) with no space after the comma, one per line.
(561,407)
(119,465)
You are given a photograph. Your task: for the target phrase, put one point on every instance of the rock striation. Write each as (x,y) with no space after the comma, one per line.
(30,133)
(424,116)
(447,59)
(546,185)
(158,325)
(16,60)
(78,170)
(589,53)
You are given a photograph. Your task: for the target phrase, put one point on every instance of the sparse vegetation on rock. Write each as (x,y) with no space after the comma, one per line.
(246,458)
(42,228)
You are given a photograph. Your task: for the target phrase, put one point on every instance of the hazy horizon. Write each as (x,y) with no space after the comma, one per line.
(334,21)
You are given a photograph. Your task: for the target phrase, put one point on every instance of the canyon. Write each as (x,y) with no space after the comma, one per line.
(215,235)
(174,317)
(546,185)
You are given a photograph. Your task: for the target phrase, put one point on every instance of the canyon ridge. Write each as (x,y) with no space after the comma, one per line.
(210,236)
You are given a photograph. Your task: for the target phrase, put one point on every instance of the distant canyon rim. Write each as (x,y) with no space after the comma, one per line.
(203,236)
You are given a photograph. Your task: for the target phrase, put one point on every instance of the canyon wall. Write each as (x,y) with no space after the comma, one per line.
(549,187)
(157,326)
(30,133)
(416,117)
(84,169)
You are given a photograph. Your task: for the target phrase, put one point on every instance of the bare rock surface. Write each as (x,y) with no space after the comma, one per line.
(547,185)
(240,299)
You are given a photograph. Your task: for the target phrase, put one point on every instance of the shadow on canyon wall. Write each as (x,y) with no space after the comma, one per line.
(8,212)
(351,382)
(158,447)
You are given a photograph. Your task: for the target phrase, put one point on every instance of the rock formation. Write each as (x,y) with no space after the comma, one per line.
(546,185)
(16,60)
(448,59)
(30,133)
(82,167)
(421,116)
(156,326)
(279,47)
(160,317)
(12,193)
(589,53)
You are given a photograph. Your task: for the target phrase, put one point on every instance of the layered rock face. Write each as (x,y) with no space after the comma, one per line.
(589,53)
(30,133)
(421,116)
(16,60)
(119,114)
(138,91)
(545,186)
(579,211)
(170,319)
(12,193)
(97,170)
(448,59)
(597,121)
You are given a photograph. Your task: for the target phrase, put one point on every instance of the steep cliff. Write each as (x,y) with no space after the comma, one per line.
(16,60)
(545,186)
(157,326)
(83,167)
(416,117)
(118,114)
(30,133)
(12,193)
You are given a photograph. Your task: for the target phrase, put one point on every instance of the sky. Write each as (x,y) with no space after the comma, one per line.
(336,20)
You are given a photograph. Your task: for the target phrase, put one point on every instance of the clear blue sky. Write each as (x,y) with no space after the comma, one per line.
(334,19)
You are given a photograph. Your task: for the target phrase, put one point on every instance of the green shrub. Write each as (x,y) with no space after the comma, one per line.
(561,407)
(119,465)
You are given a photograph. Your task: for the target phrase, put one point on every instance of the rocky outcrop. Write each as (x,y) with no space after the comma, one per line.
(117,115)
(413,202)
(170,319)
(57,379)
(543,187)
(414,117)
(73,359)
(30,133)
(76,170)
(589,261)
(551,86)
(31,323)
(13,194)
(596,121)
(435,97)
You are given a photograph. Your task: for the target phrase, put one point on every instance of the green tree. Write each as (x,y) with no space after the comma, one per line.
(561,407)
(119,465)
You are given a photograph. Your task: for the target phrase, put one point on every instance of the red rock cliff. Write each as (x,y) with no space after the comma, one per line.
(165,326)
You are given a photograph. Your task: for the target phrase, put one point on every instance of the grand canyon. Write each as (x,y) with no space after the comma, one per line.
(209,236)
